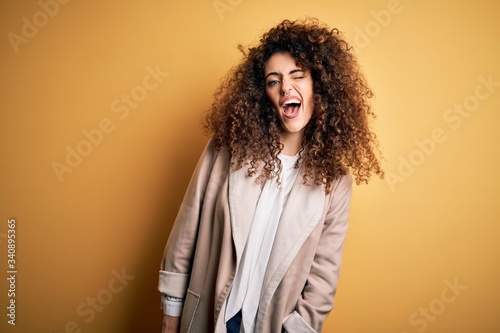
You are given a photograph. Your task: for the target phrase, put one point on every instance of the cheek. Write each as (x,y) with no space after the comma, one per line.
(273,99)
(311,99)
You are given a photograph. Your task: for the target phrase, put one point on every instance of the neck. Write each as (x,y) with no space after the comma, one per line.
(292,143)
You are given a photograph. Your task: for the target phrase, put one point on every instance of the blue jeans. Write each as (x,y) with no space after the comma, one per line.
(233,324)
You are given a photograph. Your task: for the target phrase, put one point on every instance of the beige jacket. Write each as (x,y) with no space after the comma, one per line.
(206,244)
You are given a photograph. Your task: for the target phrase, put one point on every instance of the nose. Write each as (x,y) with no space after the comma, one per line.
(286,92)
(286,88)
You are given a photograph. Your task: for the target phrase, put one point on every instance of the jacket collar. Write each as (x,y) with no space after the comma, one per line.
(243,194)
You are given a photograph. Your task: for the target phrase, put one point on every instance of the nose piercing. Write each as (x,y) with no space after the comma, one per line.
(287,94)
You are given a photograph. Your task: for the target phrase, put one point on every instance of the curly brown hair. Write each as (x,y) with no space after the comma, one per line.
(337,139)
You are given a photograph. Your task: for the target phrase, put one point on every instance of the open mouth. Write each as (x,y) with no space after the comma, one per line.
(291,107)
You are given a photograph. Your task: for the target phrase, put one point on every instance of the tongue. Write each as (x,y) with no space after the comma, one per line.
(291,109)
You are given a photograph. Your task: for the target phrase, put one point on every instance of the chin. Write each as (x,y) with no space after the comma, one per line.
(292,130)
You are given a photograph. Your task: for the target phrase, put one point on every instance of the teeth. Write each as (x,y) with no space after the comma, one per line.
(290,101)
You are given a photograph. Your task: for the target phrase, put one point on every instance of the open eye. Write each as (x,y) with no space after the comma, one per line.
(272,83)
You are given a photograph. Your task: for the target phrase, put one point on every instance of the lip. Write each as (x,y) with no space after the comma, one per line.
(292,115)
(286,99)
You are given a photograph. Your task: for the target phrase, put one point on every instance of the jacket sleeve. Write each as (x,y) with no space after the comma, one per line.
(178,254)
(317,296)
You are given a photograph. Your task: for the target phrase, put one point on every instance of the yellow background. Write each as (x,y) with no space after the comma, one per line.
(429,225)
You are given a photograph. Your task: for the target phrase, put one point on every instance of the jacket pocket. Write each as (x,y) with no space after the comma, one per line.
(294,323)
(189,310)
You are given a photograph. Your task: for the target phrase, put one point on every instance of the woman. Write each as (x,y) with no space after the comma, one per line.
(257,243)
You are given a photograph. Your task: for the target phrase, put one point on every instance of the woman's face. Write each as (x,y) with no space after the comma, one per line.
(289,88)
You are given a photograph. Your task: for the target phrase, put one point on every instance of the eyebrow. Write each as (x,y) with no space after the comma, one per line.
(291,72)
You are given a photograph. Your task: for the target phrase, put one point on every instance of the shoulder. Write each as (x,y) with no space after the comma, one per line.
(341,191)
(214,158)
(343,183)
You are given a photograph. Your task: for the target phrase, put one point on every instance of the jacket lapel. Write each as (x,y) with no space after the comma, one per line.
(243,196)
(300,216)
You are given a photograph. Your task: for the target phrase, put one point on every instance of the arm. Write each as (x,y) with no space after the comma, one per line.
(317,296)
(177,259)
(171,324)
(172,311)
